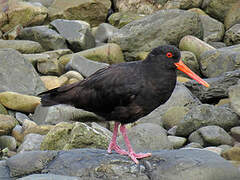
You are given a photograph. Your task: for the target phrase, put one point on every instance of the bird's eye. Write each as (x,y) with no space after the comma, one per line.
(169,55)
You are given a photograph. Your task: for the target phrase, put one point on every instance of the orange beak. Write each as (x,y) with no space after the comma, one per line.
(182,67)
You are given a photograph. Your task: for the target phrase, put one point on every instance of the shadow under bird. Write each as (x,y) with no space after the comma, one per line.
(125,92)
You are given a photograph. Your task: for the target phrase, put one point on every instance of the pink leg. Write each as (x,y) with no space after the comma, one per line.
(113,144)
(131,153)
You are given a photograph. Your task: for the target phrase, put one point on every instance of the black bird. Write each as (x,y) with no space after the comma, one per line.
(125,92)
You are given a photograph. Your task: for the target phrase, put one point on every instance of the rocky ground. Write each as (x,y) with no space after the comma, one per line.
(48,43)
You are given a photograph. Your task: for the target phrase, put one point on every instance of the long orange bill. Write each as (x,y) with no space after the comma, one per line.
(182,67)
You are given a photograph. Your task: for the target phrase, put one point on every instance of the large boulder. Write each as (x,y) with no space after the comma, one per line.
(17,74)
(169,27)
(94,164)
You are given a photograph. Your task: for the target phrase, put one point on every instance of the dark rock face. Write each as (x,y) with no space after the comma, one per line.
(94,164)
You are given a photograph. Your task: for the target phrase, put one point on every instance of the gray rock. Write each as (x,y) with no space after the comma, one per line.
(211,135)
(147,137)
(218,86)
(232,36)
(29,162)
(23,46)
(20,117)
(48,38)
(104,32)
(50,67)
(84,66)
(76,32)
(31,142)
(235,132)
(93,164)
(45,3)
(206,115)
(34,58)
(4,171)
(17,74)
(8,142)
(48,177)
(217,45)
(60,113)
(233,93)
(214,63)
(169,27)
(213,29)
(193,145)
(176,141)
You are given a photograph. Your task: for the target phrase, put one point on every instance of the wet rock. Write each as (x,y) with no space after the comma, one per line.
(17,74)
(8,142)
(59,113)
(7,123)
(95,164)
(194,45)
(218,86)
(215,62)
(104,31)
(146,137)
(24,13)
(206,115)
(120,19)
(23,46)
(233,93)
(19,102)
(77,33)
(184,23)
(48,38)
(177,142)
(31,142)
(84,66)
(94,14)
(211,135)
(232,36)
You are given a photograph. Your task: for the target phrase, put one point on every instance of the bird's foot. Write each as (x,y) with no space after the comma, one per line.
(134,156)
(115,147)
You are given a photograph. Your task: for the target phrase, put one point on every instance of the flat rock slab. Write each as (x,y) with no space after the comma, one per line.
(93,164)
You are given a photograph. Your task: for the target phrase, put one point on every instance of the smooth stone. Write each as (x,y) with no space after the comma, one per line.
(50,67)
(103,32)
(52,82)
(235,133)
(232,154)
(8,142)
(177,142)
(17,133)
(7,123)
(34,58)
(20,117)
(4,171)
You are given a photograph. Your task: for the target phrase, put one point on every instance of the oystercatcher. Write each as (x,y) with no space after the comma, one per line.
(125,92)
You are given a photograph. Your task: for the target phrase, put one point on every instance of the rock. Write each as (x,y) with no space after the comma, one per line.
(84,66)
(177,142)
(213,29)
(233,93)
(193,145)
(137,7)
(48,38)
(215,62)
(77,33)
(235,133)
(224,101)
(182,4)
(232,16)
(95,164)
(103,32)
(21,117)
(19,102)
(218,8)
(22,46)
(28,124)
(7,123)
(48,176)
(232,36)
(4,171)
(50,67)
(170,27)
(17,74)
(93,12)
(58,53)
(31,142)
(206,115)
(13,33)
(32,161)
(218,86)
(198,11)
(214,149)
(3,110)
(8,142)
(78,135)
(217,45)
(38,129)
(17,133)
(45,3)
(211,135)
(52,82)
(24,13)
(120,19)
(59,113)
(147,137)
(232,154)
(34,58)
(72,76)
(194,45)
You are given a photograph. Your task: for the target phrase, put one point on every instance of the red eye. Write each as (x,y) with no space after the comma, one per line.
(169,55)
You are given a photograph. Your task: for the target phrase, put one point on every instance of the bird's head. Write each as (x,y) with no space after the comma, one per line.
(170,57)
